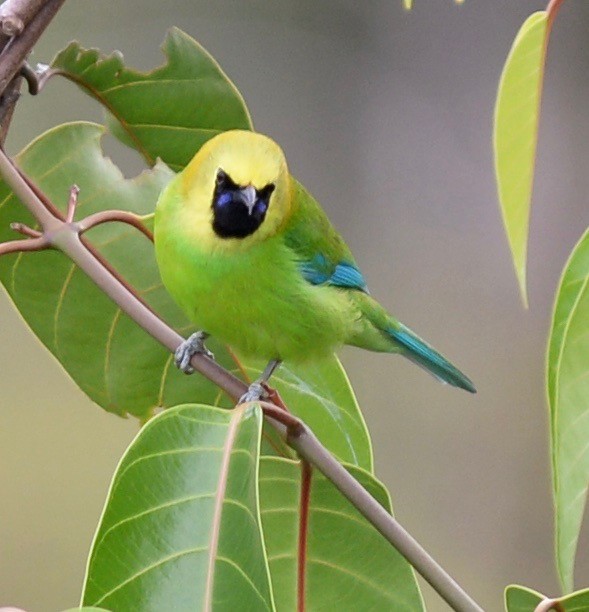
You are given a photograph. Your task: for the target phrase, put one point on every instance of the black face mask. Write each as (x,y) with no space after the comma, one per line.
(238,211)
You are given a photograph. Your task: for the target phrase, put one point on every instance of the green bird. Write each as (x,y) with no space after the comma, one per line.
(253,260)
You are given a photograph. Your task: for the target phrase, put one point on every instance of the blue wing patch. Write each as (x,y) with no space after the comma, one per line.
(319,271)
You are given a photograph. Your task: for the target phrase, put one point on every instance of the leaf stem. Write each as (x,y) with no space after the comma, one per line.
(552,9)
(307,445)
(549,604)
(304,505)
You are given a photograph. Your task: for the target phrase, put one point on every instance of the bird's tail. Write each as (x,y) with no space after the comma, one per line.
(421,353)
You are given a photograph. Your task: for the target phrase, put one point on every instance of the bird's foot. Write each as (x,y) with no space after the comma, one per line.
(193,345)
(256,392)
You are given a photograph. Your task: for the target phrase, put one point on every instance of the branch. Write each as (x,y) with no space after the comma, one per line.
(15,14)
(19,246)
(65,236)
(40,13)
(304,441)
(107,216)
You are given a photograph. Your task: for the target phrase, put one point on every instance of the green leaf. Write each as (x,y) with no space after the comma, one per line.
(517,112)
(568,389)
(181,526)
(169,112)
(86,609)
(116,363)
(522,599)
(349,564)
(321,395)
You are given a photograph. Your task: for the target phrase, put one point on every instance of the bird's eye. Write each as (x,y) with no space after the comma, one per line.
(261,207)
(224,199)
(221,177)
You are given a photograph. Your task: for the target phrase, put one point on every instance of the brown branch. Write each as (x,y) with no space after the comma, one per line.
(25,230)
(15,14)
(19,246)
(65,236)
(16,51)
(107,216)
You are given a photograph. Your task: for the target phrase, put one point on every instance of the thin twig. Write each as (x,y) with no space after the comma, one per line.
(25,230)
(72,203)
(36,79)
(19,246)
(107,216)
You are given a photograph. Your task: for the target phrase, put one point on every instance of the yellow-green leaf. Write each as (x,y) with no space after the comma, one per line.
(517,111)
(568,389)
(522,599)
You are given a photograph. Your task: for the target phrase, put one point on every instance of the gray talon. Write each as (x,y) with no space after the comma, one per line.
(191,346)
(255,393)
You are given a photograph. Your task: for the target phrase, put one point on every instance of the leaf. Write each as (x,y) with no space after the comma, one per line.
(349,564)
(181,526)
(85,609)
(568,390)
(169,112)
(522,599)
(321,395)
(116,363)
(517,112)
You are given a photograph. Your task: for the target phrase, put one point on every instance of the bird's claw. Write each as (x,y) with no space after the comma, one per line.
(193,345)
(256,392)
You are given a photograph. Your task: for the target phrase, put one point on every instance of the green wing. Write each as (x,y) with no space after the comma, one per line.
(324,257)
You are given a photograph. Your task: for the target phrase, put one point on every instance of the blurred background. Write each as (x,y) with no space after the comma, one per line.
(386,117)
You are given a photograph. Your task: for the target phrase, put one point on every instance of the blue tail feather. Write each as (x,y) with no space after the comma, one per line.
(428,358)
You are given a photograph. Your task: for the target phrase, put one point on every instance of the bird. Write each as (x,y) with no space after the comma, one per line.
(253,260)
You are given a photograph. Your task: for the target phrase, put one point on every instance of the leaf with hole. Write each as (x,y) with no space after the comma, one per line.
(109,356)
(348,563)
(181,525)
(517,111)
(169,112)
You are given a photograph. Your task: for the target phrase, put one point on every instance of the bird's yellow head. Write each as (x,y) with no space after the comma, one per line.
(236,190)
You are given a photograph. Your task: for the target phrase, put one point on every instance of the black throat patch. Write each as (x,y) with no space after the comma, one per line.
(238,211)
